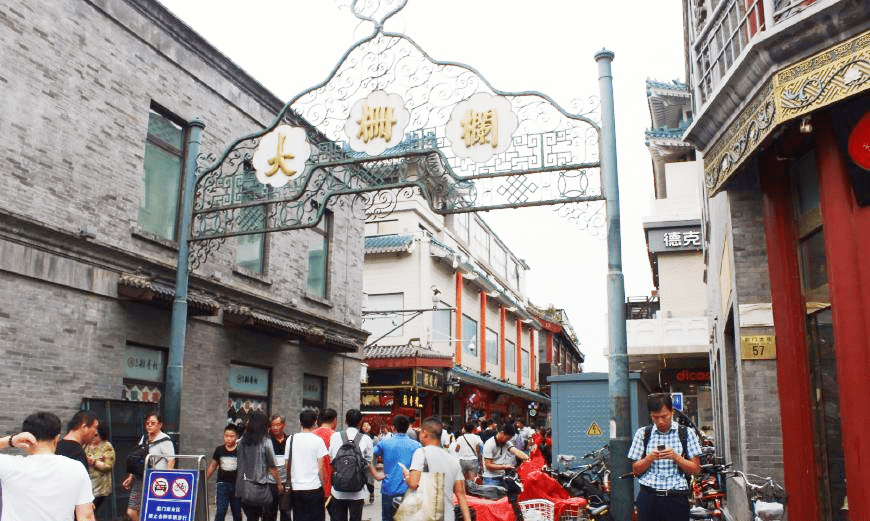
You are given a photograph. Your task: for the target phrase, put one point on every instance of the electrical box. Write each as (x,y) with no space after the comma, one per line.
(580,409)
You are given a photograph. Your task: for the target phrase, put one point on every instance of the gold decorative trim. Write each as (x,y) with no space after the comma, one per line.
(818,81)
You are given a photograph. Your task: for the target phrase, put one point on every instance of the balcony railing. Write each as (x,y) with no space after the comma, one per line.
(733,24)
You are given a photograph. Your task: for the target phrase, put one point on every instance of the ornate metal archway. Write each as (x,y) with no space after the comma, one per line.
(390,124)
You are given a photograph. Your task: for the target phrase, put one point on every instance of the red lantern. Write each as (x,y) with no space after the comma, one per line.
(859,143)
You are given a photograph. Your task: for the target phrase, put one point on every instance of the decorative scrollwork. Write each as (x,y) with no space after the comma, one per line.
(551,158)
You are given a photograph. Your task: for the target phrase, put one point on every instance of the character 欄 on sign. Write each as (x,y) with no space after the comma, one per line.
(281,155)
(481,126)
(377,122)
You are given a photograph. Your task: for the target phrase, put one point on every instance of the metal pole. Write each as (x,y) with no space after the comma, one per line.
(178,328)
(620,413)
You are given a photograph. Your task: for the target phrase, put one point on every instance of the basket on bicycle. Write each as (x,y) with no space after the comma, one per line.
(537,510)
(573,509)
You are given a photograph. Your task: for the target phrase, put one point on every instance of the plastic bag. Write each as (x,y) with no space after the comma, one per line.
(426,503)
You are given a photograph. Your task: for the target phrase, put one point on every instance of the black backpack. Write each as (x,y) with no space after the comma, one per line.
(136,457)
(349,467)
(682,432)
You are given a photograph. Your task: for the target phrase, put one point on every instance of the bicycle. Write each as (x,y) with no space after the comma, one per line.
(766,497)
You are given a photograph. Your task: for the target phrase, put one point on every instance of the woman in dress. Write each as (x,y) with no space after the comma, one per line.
(101,459)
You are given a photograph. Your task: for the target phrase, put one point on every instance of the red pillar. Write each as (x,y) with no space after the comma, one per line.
(519,348)
(848,257)
(789,318)
(458,354)
(501,339)
(482,336)
(533,366)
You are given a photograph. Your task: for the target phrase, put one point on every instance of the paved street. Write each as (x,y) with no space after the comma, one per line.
(372,511)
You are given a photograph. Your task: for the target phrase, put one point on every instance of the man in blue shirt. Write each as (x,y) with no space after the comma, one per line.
(662,466)
(395,450)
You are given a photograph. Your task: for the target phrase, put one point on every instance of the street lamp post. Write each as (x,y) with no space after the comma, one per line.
(620,417)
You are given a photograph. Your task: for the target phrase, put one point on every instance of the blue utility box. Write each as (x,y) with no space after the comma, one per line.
(580,409)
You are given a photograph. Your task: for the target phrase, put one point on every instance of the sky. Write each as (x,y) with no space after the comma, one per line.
(545,46)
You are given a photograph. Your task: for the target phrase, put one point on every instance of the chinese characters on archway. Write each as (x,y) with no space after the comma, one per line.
(480,127)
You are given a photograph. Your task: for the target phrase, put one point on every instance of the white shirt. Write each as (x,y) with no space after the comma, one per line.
(438,460)
(164,448)
(466,447)
(43,487)
(308,448)
(499,454)
(365,445)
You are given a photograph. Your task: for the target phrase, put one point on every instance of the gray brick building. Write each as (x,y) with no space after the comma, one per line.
(96,98)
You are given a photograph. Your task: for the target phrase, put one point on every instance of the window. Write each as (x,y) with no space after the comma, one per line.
(525,363)
(491,346)
(510,357)
(143,374)
(499,261)
(481,241)
(250,250)
(161,180)
(313,392)
(249,392)
(811,242)
(318,257)
(462,221)
(382,227)
(469,335)
(380,325)
(442,325)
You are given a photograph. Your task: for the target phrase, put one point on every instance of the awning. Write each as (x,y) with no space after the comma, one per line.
(495,384)
(244,317)
(142,289)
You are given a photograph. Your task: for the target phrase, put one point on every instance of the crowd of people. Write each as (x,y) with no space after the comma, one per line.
(263,471)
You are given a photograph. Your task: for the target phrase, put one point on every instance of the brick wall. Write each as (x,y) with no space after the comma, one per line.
(761,434)
(78,80)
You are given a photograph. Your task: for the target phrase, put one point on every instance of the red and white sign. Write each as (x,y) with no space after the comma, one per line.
(859,143)
(180,487)
(159,487)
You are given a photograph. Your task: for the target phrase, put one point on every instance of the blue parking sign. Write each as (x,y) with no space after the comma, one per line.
(678,401)
(170,495)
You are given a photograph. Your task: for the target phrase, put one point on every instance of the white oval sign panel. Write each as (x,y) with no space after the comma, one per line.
(281,155)
(377,122)
(481,127)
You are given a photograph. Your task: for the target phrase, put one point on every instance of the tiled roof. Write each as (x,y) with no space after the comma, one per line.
(389,244)
(671,85)
(402,351)
(142,288)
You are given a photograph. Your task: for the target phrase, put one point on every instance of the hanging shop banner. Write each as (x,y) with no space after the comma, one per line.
(169,495)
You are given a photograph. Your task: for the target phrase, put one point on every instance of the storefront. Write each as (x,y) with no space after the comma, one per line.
(484,397)
(407,380)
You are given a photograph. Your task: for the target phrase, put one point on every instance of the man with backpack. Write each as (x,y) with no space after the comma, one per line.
(663,455)
(351,452)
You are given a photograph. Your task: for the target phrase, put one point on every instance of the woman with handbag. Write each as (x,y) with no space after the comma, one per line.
(257,470)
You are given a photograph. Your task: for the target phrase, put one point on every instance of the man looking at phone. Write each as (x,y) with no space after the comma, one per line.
(662,465)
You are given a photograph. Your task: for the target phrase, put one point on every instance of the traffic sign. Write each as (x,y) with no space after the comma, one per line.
(169,494)
(678,401)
